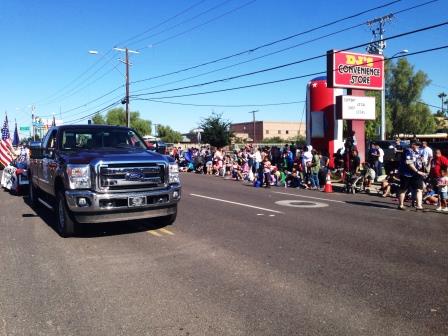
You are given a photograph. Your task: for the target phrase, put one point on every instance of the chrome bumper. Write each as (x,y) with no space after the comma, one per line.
(111,207)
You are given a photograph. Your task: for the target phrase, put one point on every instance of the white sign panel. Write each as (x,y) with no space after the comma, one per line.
(355,108)
(317,124)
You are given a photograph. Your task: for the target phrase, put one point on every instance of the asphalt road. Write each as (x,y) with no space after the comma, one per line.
(234,263)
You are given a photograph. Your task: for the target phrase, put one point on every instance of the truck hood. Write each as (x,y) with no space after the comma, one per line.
(121,155)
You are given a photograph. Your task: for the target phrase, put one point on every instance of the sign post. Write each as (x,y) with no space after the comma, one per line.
(355,72)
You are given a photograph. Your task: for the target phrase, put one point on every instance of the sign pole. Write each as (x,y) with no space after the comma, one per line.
(383,112)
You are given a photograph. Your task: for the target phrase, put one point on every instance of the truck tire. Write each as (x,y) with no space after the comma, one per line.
(65,223)
(168,220)
(33,194)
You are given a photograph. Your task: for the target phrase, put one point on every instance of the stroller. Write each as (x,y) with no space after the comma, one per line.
(355,183)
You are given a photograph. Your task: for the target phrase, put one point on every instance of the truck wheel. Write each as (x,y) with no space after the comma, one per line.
(33,194)
(65,223)
(168,220)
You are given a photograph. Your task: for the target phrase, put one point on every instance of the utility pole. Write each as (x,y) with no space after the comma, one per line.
(253,128)
(126,98)
(32,123)
(377,46)
(128,117)
(442,96)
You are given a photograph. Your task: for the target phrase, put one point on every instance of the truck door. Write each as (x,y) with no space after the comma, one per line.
(48,166)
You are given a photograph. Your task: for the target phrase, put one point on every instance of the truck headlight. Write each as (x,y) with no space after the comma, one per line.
(173,173)
(78,176)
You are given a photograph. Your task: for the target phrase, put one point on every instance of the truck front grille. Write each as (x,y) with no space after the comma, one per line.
(131,176)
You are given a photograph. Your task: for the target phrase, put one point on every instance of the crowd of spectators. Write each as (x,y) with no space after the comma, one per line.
(288,166)
(421,175)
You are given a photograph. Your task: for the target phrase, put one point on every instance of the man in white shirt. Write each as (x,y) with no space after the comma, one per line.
(427,155)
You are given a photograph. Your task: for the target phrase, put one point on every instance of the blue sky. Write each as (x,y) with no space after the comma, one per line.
(45,59)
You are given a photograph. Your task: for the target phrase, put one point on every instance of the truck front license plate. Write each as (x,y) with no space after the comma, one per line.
(136,201)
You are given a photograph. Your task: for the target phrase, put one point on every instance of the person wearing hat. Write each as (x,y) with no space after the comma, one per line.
(411,177)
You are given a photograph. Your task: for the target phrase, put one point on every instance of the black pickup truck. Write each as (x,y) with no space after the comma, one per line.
(98,173)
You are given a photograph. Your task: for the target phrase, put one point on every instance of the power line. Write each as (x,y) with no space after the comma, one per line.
(223,105)
(429,105)
(81,86)
(278,51)
(93,100)
(182,22)
(252,59)
(94,113)
(108,52)
(74,80)
(288,64)
(128,41)
(287,79)
(270,43)
(201,25)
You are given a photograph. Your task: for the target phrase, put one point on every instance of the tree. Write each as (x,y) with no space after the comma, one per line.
(117,116)
(98,119)
(298,140)
(273,140)
(216,130)
(403,92)
(167,134)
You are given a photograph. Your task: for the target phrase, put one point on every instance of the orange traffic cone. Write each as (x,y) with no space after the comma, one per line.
(328,186)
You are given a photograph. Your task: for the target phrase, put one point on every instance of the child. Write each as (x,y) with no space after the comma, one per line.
(442,185)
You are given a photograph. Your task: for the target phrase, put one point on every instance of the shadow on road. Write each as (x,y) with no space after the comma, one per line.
(95,230)
(370,204)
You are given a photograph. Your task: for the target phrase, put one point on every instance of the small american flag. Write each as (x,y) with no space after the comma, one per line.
(6,148)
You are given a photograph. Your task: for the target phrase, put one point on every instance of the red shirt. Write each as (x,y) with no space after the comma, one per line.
(437,164)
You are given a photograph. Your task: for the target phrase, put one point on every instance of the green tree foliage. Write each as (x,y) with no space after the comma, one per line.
(98,119)
(298,140)
(167,134)
(273,140)
(404,88)
(216,130)
(117,116)
(404,114)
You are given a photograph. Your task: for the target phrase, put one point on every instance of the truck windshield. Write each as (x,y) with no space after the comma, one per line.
(101,139)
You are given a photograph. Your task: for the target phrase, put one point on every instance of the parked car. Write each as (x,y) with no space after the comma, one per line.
(15,177)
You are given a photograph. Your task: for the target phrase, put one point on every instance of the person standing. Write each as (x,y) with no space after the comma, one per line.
(427,155)
(442,185)
(374,157)
(411,178)
(315,167)
(380,161)
(267,172)
(438,163)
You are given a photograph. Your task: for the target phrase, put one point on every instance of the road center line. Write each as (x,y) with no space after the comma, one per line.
(236,203)
(318,198)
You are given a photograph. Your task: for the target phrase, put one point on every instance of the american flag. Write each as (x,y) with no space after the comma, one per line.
(6,148)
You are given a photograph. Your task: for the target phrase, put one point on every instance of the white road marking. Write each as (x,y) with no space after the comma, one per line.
(236,203)
(326,199)
(312,197)
(293,203)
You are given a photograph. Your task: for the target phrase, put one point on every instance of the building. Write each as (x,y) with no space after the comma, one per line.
(268,129)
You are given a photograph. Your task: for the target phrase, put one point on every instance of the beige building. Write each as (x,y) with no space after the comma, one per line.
(268,129)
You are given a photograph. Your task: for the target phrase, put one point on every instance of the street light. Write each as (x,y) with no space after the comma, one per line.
(383,99)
